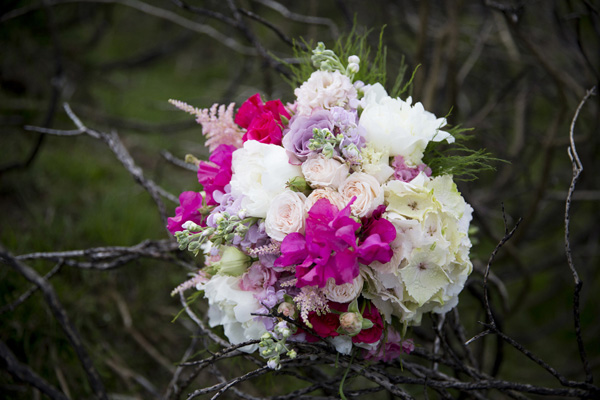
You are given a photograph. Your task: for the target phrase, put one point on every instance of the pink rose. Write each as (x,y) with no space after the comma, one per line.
(285,215)
(325,193)
(367,190)
(321,171)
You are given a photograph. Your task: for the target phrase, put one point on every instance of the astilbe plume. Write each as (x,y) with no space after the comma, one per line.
(311,299)
(217,124)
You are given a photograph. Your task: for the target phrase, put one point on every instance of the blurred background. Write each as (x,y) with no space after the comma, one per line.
(514,71)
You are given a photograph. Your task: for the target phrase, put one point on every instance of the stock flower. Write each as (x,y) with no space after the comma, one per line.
(215,174)
(258,278)
(260,172)
(188,210)
(324,90)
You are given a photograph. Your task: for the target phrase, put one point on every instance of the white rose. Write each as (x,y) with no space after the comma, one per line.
(400,128)
(321,171)
(285,215)
(232,308)
(367,190)
(260,172)
(325,193)
(344,293)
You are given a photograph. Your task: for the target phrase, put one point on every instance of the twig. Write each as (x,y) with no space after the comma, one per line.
(12,306)
(23,373)
(577,169)
(61,316)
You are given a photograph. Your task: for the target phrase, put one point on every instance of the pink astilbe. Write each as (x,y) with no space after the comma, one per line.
(311,299)
(217,124)
(200,278)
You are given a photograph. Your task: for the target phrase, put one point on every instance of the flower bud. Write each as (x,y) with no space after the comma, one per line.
(351,323)
(292,354)
(353,59)
(287,309)
(353,68)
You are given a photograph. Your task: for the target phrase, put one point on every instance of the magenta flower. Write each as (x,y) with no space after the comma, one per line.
(330,247)
(262,121)
(190,204)
(215,174)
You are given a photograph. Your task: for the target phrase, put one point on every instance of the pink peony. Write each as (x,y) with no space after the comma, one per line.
(190,203)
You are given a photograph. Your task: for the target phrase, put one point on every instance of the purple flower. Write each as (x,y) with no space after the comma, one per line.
(404,173)
(297,137)
(190,204)
(392,349)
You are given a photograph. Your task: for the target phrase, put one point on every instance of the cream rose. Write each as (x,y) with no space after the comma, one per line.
(320,171)
(367,191)
(344,293)
(326,193)
(285,215)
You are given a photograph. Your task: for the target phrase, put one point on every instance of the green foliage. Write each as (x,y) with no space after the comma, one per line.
(457,159)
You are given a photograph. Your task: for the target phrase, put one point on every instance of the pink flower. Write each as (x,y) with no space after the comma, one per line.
(215,174)
(330,248)
(393,347)
(262,121)
(404,173)
(190,203)
(258,278)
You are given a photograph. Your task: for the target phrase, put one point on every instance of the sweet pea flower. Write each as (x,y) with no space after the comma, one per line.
(190,204)
(215,174)
(262,121)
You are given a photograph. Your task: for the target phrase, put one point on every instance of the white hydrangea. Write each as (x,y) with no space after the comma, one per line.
(431,263)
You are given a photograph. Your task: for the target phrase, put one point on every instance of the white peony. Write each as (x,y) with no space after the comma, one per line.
(321,171)
(324,89)
(285,215)
(260,172)
(367,190)
(232,308)
(398,127)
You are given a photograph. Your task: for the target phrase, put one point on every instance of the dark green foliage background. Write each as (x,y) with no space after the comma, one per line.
(517,85)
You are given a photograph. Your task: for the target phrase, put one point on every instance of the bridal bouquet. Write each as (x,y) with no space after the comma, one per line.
(320,220)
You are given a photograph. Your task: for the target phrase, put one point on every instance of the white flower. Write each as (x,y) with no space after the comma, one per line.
(325,90)
(232,308)
(342,344)
(321,171)
(368,192)
(333,196)
(260,172)
(344,293)
(376,163)
(398,127)
(285,215)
